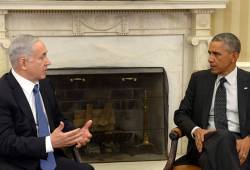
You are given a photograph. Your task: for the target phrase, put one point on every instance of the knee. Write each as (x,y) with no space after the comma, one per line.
(226,137)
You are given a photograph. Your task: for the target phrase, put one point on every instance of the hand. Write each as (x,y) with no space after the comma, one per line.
(85,134)
(199,135)
(243,146)
(61,139)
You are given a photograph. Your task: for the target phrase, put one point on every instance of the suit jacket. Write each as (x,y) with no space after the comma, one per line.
(19,144)
(195,107)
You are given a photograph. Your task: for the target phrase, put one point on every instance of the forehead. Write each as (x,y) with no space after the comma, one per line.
(218,45)
(39,46)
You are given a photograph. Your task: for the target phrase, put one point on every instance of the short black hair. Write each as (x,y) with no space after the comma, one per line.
(231,40)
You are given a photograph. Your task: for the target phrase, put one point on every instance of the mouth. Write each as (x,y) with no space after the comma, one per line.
(211,66)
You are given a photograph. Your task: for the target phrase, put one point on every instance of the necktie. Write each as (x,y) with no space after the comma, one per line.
(43,130)
(220,117)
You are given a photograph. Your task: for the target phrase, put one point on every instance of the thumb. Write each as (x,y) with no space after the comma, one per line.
(60,127)
(88,124)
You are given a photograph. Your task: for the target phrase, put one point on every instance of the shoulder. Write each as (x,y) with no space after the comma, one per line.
(5,82)
(243,72)
(243,76)
(202,74)
(46,85)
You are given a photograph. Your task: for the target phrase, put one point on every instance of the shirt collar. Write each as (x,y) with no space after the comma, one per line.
(26,85)
(231,77)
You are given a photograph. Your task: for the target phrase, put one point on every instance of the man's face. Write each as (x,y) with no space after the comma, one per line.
(221,60)
(36,64)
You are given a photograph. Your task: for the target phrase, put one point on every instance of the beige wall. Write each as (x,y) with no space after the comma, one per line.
(236,19)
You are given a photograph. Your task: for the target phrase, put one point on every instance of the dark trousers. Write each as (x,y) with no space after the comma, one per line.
(62,164)
(220,152)
(67,164)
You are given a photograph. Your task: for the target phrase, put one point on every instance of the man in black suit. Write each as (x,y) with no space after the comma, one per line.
(209,145)
(21,144)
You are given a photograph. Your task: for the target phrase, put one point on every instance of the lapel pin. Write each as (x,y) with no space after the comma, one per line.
(245,88)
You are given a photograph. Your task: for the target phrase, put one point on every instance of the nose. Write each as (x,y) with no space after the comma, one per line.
(210,58)
(48,62)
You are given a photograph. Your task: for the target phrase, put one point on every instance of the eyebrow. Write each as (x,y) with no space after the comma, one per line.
(214,52)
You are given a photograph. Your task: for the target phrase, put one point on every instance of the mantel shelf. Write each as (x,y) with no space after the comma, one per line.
(112,5)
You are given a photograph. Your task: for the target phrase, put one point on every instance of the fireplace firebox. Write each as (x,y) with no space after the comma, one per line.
(128,106)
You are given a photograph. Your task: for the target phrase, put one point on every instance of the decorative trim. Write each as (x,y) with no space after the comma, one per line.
(202,11)
(5,43)
(124,11)
(195,41)
(112,5)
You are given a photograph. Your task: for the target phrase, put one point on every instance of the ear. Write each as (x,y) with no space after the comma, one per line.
(22,62)
(235,57)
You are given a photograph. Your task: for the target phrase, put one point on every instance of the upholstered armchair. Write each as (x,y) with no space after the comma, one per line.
(174,136)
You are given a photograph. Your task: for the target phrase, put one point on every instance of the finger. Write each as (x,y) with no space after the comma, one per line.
(238,146)
(73,133)
(78,145)
(60,127)
(202,138)
(88,124)
(242,159)
(198,144)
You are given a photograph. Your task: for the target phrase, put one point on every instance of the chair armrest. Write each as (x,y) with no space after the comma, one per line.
(174,135)
(76,155)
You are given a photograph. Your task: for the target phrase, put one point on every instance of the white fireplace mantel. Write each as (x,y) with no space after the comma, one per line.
(112,5)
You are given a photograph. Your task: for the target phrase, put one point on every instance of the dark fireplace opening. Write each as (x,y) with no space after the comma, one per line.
(128,106)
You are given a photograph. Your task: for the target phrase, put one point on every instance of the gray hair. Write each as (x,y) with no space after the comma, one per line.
(21,45)
(230,40)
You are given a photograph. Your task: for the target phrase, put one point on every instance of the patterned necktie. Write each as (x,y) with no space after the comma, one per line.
(220,117)
(43,130)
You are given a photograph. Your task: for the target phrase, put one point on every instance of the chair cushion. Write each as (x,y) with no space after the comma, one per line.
(186,167)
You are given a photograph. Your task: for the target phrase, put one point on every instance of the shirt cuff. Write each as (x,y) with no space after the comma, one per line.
(48,145)
(192,132)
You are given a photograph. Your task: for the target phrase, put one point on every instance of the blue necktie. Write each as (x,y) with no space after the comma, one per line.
(43,130)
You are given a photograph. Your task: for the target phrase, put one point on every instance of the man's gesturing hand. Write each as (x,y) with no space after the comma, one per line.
(61,139)
(85,134)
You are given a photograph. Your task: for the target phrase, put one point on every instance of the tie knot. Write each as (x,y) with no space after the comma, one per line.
(223,80)
(36,89)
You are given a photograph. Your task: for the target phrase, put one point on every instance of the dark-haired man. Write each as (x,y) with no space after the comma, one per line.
(215,111)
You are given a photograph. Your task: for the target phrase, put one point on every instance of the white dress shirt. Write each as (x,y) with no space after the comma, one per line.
(27,87)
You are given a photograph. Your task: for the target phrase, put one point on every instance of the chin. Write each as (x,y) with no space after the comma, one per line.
(214,71)
(43,77)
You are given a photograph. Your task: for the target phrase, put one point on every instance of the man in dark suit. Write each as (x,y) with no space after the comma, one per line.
(22,145)
(217,143)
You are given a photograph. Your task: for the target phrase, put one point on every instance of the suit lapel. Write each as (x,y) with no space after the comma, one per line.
(208,101)
(22,101)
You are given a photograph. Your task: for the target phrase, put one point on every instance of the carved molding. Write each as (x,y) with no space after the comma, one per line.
(5,42)
(105,23)
(195,40)
(202,11)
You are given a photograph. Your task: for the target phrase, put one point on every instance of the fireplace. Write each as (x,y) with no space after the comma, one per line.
(128,106)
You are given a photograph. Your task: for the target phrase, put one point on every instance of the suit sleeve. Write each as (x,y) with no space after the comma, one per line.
(16,138)
(183,116)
